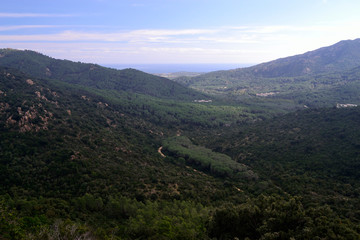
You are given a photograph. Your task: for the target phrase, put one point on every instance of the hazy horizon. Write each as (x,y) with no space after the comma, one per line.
(173,68)
(176,32)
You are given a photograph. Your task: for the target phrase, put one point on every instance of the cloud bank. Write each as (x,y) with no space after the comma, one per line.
(227,44)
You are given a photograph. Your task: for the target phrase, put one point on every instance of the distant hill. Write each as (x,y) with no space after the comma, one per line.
(94,76)
(341,56)
(316,78)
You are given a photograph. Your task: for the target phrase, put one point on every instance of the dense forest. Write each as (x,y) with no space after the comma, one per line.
(319,78)
(88,152)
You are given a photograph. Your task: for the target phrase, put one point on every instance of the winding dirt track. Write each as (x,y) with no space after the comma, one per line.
(159,151)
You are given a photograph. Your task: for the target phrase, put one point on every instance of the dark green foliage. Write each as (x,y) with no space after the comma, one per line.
(78,156)
(130,91)
(320,78)
(14,226)
(168,220)
(312,153)
(95,76)
(278,218)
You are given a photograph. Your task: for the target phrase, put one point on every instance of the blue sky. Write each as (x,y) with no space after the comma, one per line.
(176,31)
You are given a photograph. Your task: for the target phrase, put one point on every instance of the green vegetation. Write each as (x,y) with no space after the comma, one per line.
(95,76)
(205,159)
(130,91)
(79,153)
(312,153)
(128,218)
(275,217)
(320,78)
(69,153)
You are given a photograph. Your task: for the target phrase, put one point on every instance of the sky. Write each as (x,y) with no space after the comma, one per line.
(176,31)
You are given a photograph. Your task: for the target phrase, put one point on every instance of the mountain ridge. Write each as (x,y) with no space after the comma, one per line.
(95,76)
(327,57)
(313,78)
(331,58)
(343,55)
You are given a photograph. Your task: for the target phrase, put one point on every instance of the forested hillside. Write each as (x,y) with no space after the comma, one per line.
(310,153)
(134,156)
(319,78)
(95,76)
(67,153)
(341,56)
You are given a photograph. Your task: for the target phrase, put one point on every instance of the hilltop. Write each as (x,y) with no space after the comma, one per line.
(341,56)
(318,78)
(95,76)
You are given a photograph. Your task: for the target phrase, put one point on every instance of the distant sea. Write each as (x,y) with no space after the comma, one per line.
(172,68)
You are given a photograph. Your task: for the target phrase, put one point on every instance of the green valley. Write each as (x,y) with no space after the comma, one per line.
(266,152)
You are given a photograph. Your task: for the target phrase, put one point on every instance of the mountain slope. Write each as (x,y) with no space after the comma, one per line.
(79,154)
(74,163)
(311,153)
(318,78)
(54,133)
(95,76)
(67,153)
(341,56)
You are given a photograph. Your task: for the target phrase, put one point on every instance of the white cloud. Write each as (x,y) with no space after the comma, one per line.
(157,32)
(240,44)
(18,27)
(259,29)
(145,35)
(233,40)
(32,15)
